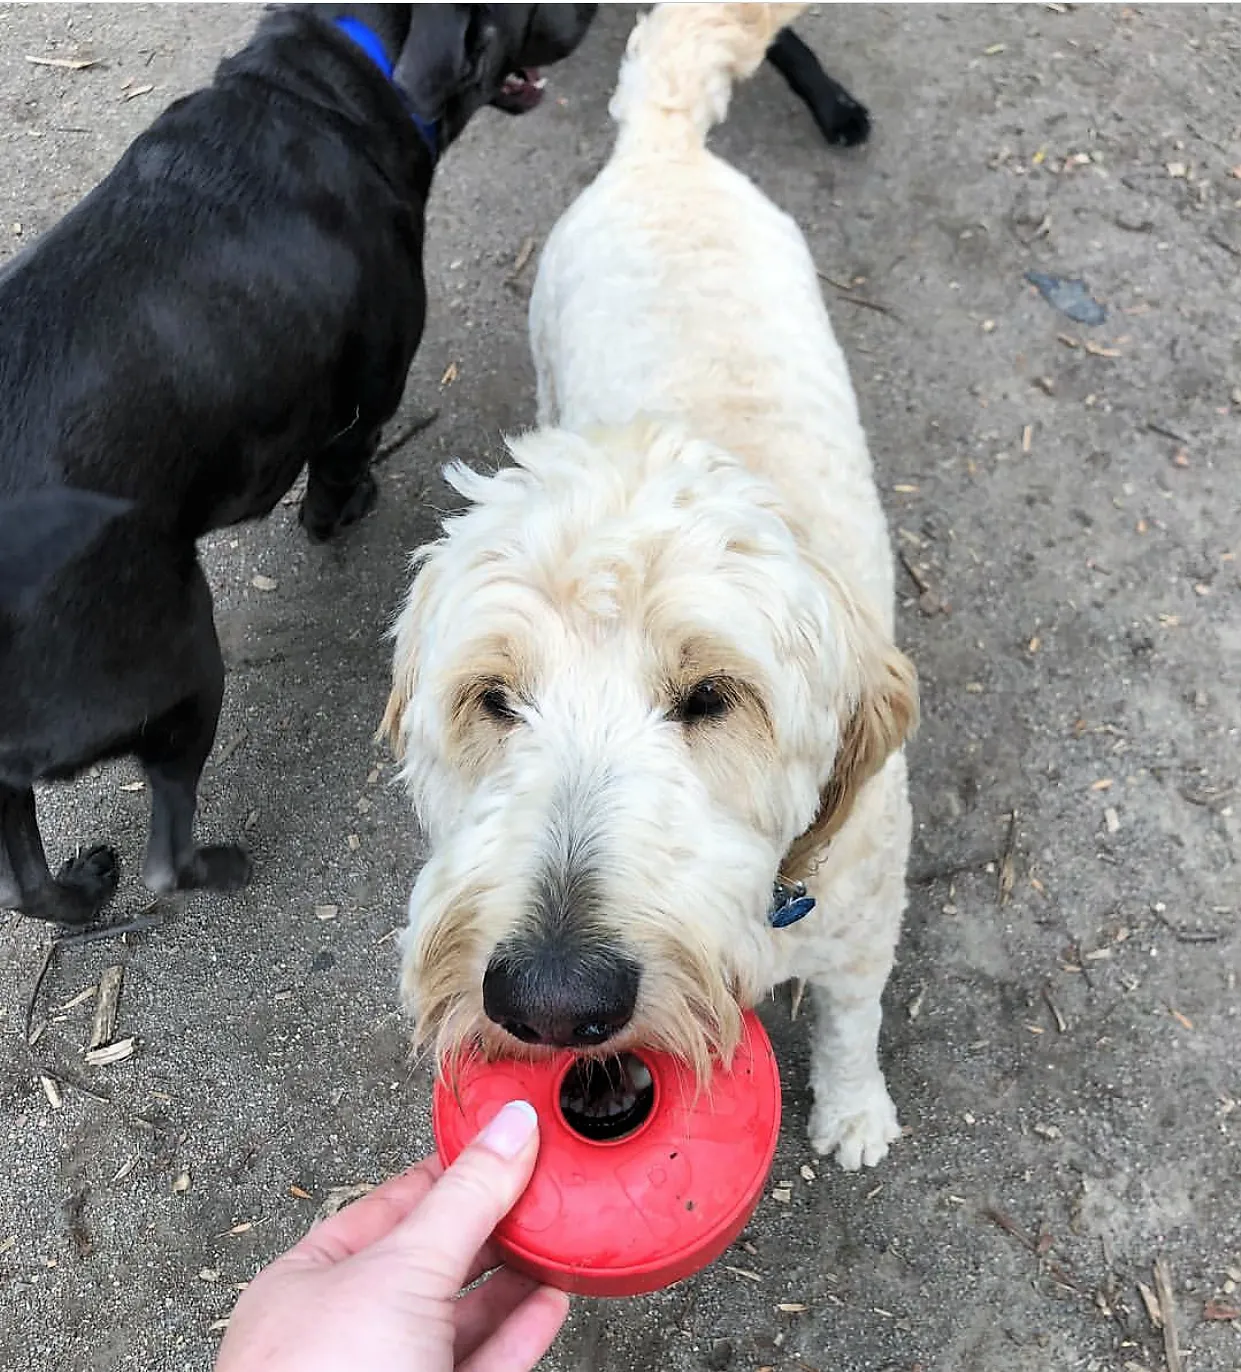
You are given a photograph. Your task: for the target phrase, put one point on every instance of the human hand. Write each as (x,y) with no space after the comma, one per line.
(376,1287)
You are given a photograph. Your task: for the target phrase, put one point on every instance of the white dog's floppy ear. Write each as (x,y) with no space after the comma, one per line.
(389,730)
(407,632)
(414,623)
(884,716)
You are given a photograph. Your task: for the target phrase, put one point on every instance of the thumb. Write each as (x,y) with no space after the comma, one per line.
(443,1235)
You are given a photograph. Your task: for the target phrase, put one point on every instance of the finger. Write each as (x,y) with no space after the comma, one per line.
(367,1220)
(441,1239)
(524,1337)
(479,1313)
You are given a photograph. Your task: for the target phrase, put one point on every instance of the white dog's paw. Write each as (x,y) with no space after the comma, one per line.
(858,1127)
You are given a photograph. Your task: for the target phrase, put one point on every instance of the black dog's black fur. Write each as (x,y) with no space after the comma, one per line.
(241,297)
(842,120)
(42,531)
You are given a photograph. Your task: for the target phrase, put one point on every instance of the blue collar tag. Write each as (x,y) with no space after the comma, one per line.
(371,44)
(789,903)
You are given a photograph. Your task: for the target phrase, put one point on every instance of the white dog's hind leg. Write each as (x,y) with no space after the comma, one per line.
(853,1113)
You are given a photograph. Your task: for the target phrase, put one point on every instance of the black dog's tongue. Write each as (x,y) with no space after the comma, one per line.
(522,91)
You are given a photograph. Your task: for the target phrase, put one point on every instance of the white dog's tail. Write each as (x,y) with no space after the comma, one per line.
(680,66)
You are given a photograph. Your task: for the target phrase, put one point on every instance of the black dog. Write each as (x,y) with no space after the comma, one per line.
(242,296)
(842,120)
(41,532)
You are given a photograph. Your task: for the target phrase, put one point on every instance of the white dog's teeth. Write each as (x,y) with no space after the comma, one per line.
(639,1077)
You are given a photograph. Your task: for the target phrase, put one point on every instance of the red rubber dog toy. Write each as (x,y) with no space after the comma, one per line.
(631,1201)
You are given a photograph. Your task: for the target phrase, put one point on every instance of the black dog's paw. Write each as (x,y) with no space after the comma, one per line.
(363,500)
(323,523)
(849,125)
(319,525)
(90,878)
(216,867)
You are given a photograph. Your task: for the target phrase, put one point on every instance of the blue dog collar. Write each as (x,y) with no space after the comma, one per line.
(369,41)
(789,903)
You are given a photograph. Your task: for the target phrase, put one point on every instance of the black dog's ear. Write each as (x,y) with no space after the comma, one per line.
(42,531)
(450,50)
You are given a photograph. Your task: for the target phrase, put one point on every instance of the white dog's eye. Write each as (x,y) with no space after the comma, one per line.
(707,699)
(496,704)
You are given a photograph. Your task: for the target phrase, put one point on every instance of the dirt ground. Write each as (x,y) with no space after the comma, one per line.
(1062,1034)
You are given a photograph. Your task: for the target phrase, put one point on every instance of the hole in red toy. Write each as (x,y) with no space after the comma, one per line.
(603,1099)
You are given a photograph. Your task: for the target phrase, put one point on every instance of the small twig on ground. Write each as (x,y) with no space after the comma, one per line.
(231,747)
(1007,877)
(915,575)
(524,254)
(1208,798)
(872,305)
(1040,1247)
(947,871)
(1165,432)
(411,430)
(1151,1303)
(928,602)
(107,1007)
(1065,1278)
(139,924)
(64,63)
(1188,935)
(74,1210)
(72,1084)
(48,954)
(1061,1023)
(1078,954)
(1167,1312)
(847,293)
(340,1196)
(253,1148)
(1010,1226)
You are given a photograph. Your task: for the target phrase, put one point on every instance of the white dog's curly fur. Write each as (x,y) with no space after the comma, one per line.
(651,667)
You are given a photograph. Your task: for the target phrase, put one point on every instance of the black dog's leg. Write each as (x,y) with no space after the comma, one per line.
(173,750)
(841,119)
(340,487)
(75,896)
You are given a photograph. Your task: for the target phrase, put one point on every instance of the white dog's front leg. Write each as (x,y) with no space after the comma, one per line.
(853,1113)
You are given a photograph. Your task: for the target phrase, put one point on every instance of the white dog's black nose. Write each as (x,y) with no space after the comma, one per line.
(560,999)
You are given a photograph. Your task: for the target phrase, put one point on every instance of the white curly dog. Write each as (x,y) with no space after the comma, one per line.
(646,683)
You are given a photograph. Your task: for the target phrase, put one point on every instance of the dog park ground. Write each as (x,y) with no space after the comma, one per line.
(1062,1035)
